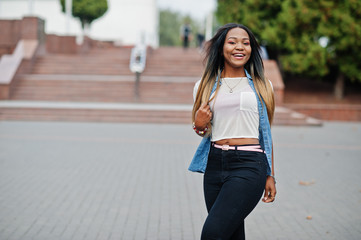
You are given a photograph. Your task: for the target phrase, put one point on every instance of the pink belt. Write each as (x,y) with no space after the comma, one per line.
(253,148)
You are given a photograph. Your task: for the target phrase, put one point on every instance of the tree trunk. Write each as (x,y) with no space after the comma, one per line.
(86,45)
(339,88)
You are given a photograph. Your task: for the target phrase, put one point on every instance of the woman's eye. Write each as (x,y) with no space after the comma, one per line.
(231,42)
(246,43)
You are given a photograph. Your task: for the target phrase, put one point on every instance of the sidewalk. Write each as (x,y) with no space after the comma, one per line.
(130,181)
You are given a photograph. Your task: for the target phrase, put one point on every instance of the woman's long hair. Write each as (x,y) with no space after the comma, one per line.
(215,63)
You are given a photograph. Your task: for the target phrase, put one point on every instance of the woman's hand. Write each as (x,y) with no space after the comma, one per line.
(270,190)
(203,116)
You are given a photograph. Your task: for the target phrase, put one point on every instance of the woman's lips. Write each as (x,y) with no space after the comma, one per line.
(239,55)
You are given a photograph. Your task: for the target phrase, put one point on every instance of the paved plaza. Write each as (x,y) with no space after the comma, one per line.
(104,181)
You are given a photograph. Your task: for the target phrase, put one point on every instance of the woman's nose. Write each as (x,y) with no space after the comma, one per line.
(239,46)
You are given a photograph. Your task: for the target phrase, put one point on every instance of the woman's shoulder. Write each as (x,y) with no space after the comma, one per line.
(195,89)
(196,85)
(270,82)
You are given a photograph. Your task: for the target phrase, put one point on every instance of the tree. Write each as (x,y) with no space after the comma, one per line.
(87,10)
(169,27)
(310,38)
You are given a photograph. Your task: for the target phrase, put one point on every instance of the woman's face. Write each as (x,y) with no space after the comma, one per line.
(237,48)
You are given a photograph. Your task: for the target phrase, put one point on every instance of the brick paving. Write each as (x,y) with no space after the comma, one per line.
(130,181)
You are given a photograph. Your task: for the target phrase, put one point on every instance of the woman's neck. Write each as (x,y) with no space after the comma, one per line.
(233,72)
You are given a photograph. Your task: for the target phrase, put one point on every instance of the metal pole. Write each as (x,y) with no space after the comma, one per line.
(68,8)
(136,86)
(209,26)
(31,7)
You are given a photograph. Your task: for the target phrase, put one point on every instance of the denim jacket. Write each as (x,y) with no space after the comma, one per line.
(200,158)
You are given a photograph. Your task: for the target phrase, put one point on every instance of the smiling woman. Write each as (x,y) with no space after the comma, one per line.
(236,152)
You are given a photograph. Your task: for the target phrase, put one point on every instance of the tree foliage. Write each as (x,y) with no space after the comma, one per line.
(169,27)
(87,10)
(309,37)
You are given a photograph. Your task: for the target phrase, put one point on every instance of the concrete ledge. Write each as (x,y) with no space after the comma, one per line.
(109,78)
(100,106)
(123,112)
(9,64)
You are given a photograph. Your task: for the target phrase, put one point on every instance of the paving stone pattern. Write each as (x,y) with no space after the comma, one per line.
(130,181)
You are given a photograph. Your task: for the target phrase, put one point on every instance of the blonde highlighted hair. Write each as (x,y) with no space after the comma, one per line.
(215,63)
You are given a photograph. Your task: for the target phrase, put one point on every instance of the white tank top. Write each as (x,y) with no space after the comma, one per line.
(235,111)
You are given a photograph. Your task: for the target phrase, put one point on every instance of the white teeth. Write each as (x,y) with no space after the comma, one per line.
(239,55)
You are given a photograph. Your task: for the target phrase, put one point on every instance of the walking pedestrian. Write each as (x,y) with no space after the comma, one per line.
(233,109)
(186,34)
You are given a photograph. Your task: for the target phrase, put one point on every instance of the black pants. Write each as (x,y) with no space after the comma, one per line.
(233,185)
(185,41)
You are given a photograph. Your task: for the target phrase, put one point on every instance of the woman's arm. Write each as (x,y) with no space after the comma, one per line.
(203,115)
(202,118)
(270,188)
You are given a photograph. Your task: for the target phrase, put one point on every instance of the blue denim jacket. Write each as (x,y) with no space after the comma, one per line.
(200,158)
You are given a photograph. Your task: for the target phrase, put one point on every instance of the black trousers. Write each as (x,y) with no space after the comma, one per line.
(233,185)
(185,41)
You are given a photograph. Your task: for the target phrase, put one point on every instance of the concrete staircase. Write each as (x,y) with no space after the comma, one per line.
(170,61)
(108,61)
(103,88)
(104,76)
(98,86)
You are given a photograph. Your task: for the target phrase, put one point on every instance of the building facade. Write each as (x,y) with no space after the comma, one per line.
(127,22)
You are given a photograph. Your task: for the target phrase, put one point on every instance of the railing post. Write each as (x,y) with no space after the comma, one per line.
(137,64)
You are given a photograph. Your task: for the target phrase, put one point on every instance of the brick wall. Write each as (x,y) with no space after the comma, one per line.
(11,31)
(61,44)
(10,34)
(272,72)
(329,112)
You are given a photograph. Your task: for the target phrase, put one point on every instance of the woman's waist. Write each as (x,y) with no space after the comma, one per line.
(235,133)
(237,141)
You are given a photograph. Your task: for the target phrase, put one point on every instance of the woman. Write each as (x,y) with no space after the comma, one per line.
(233,109)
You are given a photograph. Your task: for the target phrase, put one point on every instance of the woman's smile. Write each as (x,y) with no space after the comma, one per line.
(239,56)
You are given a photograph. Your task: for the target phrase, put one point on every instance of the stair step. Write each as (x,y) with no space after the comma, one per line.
(160,62)
(95,86)
(103,112)
(99,88)
(98,112)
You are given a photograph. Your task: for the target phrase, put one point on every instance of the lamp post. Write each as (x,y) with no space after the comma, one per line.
(31,7)
(68,8)
(209,26)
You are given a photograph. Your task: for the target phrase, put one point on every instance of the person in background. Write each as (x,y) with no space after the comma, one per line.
(233,110)
(200,40)
(186,34)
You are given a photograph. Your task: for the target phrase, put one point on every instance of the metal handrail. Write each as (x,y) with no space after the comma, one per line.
(138,59)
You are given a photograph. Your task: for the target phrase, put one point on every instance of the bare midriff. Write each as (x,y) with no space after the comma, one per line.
(237,141)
